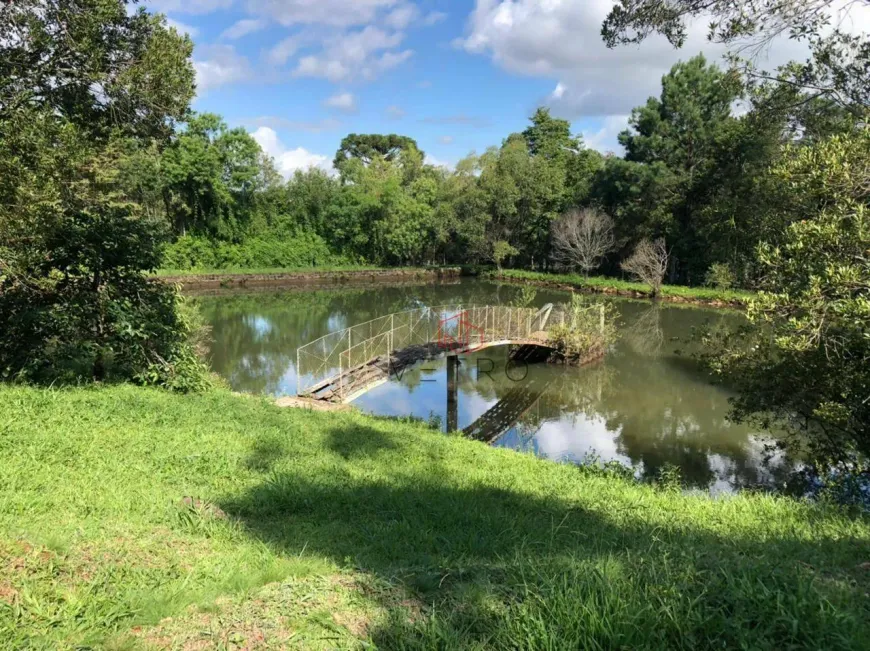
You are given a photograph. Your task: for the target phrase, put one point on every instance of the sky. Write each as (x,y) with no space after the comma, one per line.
(456,75)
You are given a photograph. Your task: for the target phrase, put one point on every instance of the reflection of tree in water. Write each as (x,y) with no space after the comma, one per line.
(646,335)
(659,413)
(659,407)
(658,420)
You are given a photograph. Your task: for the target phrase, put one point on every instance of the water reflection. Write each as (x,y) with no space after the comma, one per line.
(645,405)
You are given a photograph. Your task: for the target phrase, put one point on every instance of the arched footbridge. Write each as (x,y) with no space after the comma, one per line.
(343,365)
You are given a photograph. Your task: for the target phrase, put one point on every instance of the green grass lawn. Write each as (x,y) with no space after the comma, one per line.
(599,283)
(306,530)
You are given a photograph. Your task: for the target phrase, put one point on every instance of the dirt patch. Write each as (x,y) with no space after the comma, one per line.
(8,594)
(302,278)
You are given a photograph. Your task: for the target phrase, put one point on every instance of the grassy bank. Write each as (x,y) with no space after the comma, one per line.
(599,284)
(135,518)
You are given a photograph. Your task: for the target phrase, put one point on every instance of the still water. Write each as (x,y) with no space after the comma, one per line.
(646,405)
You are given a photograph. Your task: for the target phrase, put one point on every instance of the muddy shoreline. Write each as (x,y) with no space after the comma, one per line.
(307,279)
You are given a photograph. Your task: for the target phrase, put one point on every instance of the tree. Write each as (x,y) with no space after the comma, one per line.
(682,130)
(804,366)
(551,137)
(649,263)
(100,66)
(839,70)
(366,147)
(502,250)
(213,177)
(581,238)
(89,94)
(632,21)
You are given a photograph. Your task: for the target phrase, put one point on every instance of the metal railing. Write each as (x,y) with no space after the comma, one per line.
(455,327)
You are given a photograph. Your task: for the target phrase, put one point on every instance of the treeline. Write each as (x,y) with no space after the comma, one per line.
(695,174)
(759,180)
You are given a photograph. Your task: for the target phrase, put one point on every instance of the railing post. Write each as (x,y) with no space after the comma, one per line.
(298,375)
(601,326)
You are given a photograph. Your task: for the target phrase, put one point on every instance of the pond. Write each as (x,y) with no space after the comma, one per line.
(646,405)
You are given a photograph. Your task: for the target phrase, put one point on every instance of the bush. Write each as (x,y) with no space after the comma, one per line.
(588,328)
(131,329)
(720,276)
(302,250)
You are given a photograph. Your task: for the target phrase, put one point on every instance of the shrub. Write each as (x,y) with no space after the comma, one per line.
(589,327)
(720,276)
(304,249)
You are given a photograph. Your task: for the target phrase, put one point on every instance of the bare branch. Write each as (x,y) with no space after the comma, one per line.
(581,238)
(649,263)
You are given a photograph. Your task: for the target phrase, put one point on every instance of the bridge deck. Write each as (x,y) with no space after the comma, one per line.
(354,382)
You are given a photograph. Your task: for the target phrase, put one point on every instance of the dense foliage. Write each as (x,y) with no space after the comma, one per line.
(806,362)
(691,174)
(82,119)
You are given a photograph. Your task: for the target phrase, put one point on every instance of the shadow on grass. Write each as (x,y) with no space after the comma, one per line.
(496,566)
(359,441)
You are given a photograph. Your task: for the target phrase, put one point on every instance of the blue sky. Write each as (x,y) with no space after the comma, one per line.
(456,75)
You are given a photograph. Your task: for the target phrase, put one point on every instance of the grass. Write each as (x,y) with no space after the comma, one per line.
(134,518)
(284,270)
(601,284)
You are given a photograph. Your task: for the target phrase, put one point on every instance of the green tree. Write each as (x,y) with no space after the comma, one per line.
(805,365)
(681,129)
(632,21)
(214,176)
(838,71)
(90,93)
(366,147)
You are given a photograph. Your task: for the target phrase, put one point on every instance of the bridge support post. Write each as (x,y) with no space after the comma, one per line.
(452,393)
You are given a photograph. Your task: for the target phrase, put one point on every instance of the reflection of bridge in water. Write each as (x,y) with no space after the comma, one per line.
(513,407)
(343,365)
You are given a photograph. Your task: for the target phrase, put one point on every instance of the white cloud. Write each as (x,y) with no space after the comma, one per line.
(395,113)
(402,16)
(360,55)
(344,102)
(446,140)
(218,65)
(434,17)
(286,48)
(182,28)
(605,138)
(561,39)
(424,84)
(244,27)
(288,161)
(435,162)
(338,13)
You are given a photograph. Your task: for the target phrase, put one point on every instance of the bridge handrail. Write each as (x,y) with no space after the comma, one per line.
(352,346)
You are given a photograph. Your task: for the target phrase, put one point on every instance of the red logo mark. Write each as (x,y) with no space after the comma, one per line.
(458,332)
